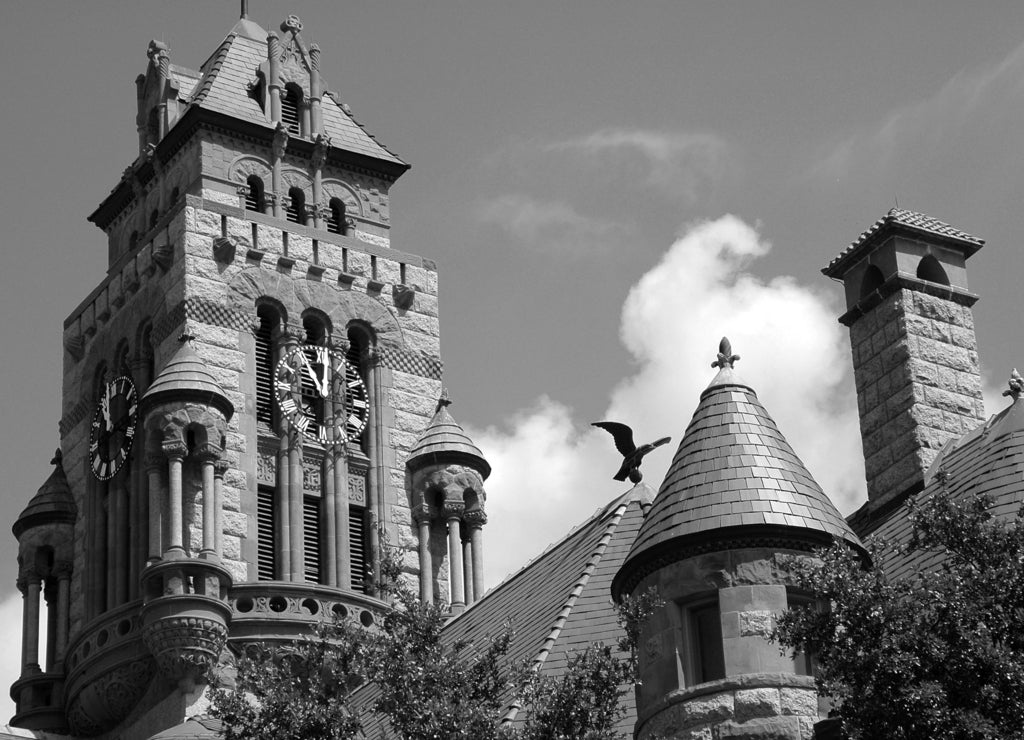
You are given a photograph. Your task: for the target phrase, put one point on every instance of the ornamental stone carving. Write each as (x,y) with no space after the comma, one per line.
(185,646)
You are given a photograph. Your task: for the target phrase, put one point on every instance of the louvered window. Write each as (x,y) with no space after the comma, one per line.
(296,205)
(266,566)
(264,374)
(357,549)
(311,537)
(254,194)
(336,221)
(290,110)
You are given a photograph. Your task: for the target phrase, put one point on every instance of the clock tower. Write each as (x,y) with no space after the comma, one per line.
(241,394)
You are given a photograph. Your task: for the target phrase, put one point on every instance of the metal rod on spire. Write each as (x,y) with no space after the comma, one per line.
(245,8)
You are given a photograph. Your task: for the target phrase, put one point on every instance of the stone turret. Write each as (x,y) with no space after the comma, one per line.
(736,502)
(915,356)
(447,473)
(45,532)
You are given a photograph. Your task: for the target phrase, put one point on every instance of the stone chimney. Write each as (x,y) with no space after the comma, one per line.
(915,356)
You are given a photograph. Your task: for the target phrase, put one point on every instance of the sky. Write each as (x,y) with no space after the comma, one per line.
(607,188)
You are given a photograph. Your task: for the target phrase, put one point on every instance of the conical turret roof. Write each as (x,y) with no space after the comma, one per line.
(445,441)
(185,377)
(52,504)
(733,477)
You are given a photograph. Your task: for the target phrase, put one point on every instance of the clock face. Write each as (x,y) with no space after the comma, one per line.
(113,427)
(321,394)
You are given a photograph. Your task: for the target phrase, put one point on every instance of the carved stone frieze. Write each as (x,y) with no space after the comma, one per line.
(104,702)
(265,467)
(185,646)
(357,489)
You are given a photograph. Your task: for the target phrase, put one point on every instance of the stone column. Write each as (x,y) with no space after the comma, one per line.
(50,597)
(208,456)
(279,147)
(220,468)
(296,519)
(30,585)
(423,515)
(119,565)
(175,452)
(316,124)
(375,491)
(156,511)
(476,520)
(453,516)
(341,516)
(283,341)
(274,81)
(62,570)
(330,576)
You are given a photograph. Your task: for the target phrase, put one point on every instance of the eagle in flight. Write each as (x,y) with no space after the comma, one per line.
(631,454)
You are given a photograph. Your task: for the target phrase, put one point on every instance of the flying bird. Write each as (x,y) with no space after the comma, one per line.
(631,454)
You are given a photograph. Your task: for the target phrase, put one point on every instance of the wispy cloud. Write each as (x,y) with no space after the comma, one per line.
(548,224)
(681,164)
(795,356)
(930,121)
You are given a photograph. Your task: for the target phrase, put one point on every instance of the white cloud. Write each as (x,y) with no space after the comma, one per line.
(548,224)
(926,123)
(549,473)
(683,164)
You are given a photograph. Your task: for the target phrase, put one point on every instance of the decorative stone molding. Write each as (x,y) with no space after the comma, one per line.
(175,449)
(475,518)
(280,143)
(453,509)
(208,452)
(163,257)
(185,646)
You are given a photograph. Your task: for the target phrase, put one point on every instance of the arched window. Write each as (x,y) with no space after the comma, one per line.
(336,221)
(290,109)
(133,241)
(266,512)
(872,281)
(269,320)
(930,269)
(255,198)
(296,205)
(360,560)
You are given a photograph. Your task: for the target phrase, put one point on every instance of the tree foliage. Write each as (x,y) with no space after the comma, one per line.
(424,685)
(933,657)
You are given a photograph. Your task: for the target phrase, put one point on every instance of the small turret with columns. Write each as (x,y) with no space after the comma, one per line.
(447,474)
(45,532)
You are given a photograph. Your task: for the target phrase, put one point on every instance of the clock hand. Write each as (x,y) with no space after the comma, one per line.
(105,406)
(312,374)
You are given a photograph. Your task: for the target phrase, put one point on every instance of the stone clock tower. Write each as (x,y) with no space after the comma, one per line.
(240,397)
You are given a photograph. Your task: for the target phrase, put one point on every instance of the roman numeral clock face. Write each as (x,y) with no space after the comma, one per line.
(113,427)
(321,394)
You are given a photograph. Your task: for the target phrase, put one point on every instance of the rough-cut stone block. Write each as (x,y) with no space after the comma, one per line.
(799,701)
(207,223)
(751,703)
(756,623)
(708,708)
(774,728)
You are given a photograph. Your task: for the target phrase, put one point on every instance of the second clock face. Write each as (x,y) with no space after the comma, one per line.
(321,394)
(113,427)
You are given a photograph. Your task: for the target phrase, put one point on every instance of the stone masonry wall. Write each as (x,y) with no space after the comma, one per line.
(918,381)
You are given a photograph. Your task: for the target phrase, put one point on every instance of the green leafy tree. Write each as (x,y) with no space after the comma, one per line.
(425,686)
(934,657)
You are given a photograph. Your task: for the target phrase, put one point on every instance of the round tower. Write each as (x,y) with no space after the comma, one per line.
(446,482)
(185,612)
(735,505)
(45,532)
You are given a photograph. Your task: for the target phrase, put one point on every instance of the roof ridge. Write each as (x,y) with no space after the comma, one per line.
(574,594)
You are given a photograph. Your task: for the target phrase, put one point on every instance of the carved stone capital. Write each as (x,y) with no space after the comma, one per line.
(208,453)
(155,461)
(475,518)
(453,509)
(423,513)
(175,449)
(62,569)
(220,468)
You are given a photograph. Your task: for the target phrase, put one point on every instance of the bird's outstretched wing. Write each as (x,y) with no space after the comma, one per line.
(622,435)
(660,442)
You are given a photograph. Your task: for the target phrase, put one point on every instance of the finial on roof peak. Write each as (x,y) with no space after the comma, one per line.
(443,401)
(58,458)
(725,356)
(291,23)
(1016,383)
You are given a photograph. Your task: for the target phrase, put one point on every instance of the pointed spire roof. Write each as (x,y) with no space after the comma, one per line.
(185,377)
(53,502)
(445,441)
(733,477)
(223,88)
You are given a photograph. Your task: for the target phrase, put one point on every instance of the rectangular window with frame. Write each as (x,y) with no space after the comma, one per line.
(803,663)
(703,624)
(266,562)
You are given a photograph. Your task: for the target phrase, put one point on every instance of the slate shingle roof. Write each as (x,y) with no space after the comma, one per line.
(224,85)
(910,220)
(557,604)
(445,440)
(989,459)
(734,468)
(185,376)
